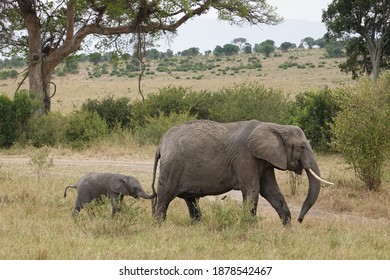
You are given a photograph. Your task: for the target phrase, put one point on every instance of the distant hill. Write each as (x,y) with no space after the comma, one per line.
(206,33)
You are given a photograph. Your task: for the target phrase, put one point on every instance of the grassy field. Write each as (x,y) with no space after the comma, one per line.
(347,222)
(73,90)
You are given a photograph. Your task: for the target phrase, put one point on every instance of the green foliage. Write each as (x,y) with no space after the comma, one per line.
(46,130)
(227,49)
(362,128)
(12,62)
(242,102)
(84,127)
(266,47)
(190,52)
(25,105)
(248,101)
(154,128)
(8,74)
(353,20)
(285,46)
(168,100)
(15,115)
(8,124)
(314,111)
(334,49)
(114,111)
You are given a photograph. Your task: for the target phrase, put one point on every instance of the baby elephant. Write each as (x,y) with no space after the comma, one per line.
(95,185)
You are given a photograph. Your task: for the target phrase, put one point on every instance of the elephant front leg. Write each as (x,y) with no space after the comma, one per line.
(269,189)
(116,202)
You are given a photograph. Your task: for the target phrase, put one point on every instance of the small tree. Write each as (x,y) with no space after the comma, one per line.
(362,128)
(266,47)
(287,45)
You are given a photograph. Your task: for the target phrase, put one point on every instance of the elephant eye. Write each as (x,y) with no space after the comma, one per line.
(302,147)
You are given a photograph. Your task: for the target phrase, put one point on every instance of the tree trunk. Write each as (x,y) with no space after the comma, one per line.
(35,60)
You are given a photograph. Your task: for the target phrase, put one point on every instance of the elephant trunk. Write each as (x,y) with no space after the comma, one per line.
(314,189)
(143,194)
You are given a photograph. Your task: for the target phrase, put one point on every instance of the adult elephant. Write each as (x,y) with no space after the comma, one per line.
(201,158)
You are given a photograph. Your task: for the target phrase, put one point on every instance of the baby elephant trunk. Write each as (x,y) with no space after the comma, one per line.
(143,194)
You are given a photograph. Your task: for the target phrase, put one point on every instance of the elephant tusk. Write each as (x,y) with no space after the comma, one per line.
(319,178)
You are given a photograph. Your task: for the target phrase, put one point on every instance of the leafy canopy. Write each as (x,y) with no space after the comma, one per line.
(365,25)
(70,21)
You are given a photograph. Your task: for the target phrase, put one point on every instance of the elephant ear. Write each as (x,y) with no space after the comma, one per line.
(120,186)
(266,143)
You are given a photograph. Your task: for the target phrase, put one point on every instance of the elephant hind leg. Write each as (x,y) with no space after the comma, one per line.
(77,206)
(166,192)
(193,208)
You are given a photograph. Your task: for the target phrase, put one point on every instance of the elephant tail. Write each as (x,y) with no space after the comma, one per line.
(156,158)
(73,187)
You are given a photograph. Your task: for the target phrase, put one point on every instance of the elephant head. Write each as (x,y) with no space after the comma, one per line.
(127,185)
(287,148)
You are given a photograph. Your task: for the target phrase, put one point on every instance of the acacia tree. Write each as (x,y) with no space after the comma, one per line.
(48,31)
(365,25)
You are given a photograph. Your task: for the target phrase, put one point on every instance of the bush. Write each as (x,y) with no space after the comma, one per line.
(15,115)
(84,127)
(114,111)
(154,128)
(249,101)
(169,100)
(25,106)
(314,111)
(242,102)
(46,130)
(8,124)
(362,128)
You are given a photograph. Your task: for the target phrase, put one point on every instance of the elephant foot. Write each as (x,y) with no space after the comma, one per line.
(286,219)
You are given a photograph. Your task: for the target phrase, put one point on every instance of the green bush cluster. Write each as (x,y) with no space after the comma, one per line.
(150,118)
(116,112)
(362,128)
(314,112)
(8,74)
(15,115)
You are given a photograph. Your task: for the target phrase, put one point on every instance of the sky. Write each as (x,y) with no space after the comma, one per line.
(302,18)
(310,10)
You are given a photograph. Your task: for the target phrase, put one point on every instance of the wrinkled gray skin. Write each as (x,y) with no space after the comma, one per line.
(95,185)
(201,158)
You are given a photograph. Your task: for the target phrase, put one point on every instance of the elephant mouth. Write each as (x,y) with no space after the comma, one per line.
(296,167)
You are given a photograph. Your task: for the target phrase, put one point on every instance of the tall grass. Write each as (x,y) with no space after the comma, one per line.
(36,222)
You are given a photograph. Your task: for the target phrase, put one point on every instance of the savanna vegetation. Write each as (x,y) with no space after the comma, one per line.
(113,133)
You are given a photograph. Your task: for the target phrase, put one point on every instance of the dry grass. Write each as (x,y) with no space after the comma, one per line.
(73,90)
(346,222)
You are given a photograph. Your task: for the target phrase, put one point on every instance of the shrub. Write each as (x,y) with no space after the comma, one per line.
(169,100)
(46,130)
(25,105)
(362,128)
(314,111)
(84,127)
(154,128)
(249,101)
(15,115)
(114,111)
(8,124)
